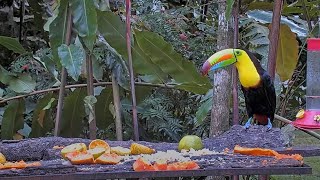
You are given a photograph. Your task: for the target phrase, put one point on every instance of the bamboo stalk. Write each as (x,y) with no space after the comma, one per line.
(133,91)
(63,76)
(234,69)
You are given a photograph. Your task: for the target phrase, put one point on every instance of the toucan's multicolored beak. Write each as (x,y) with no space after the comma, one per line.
(218,60)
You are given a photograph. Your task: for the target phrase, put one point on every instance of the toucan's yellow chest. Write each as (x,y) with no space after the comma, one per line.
(248,74)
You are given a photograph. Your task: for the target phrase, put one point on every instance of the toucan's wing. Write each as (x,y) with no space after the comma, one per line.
(270,93)
(246,99)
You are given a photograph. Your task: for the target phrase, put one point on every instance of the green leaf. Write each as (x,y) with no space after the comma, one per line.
(5,76)
(42,120)
(171,62)
(85,20)
(58,30)
(22,84)
(268,6)
(287,55)
(73,114)
(229,8)
(12,119)
(114,31)
(89,102)
(193,87)
(103,115)
(97,69)
(203,111)
(71,58)
(12,44)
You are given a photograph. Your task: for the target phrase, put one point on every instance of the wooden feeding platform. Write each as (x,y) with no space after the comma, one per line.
(220,163)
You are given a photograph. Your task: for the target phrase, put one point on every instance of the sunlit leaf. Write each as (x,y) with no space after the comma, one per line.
(103,115)
(287,56)
(12,118)
(73,114)
(22,84)
(42,120)
(71,58)
(163,54)
(12,44)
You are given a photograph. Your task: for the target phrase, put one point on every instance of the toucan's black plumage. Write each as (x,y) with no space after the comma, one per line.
(260,100)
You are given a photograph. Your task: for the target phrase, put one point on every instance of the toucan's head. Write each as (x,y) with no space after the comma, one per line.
(221,59)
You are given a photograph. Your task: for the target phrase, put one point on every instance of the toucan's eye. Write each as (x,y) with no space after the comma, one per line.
(238,53)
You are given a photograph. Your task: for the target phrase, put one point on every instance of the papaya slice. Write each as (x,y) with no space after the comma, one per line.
(99,143)
(2,159)
(140,149)
(80,158)
(142,165)
(160,165)
(16,165)
(187,165)
(107,158)
(265,152)
(121,151)
(76,147)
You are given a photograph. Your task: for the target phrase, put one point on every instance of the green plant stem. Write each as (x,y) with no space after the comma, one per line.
(170,86)
(287,121)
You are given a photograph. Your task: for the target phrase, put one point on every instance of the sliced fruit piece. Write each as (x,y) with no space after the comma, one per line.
(191,165)
(121,151)
(96,152)
(300,114)
(34,164)
(286,156)
(142,165)
(2,159)
(140,149)
(107,158)
(80,158)
(160,165)
(17,165)
(190,141)
(73,148)
(100,143)
(254,151)
(187,165)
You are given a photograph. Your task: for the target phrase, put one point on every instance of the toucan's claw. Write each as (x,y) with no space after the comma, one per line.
(248,123)
(269,125)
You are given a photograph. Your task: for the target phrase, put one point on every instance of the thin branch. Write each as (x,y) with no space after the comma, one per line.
(92,116)
(117,107)
(170,86)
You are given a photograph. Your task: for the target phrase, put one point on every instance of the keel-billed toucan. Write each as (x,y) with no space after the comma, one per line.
(256,84)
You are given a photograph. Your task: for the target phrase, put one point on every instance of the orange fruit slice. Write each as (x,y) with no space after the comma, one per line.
(108,159)
(80,158)
(140,149)
(101,144)
(2,159)
(300,114)
(96,152)
(121,151)
(17,165)
(160,165)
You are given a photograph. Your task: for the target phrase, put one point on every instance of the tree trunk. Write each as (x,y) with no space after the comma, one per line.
(222,79)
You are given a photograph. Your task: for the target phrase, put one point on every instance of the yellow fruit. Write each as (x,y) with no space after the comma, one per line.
(2,159)
(190,141)
(80,147)
(300,114)
(100,143)
(96,152)
(121,151)
(140,149)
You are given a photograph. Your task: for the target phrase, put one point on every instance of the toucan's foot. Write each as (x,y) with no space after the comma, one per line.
(248,123)
(269,125)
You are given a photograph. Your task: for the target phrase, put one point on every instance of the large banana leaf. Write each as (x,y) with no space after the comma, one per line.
(114,31)
(58,30)
(103,115)
(73,114)
(287,56)
(163,54)
(42,121)
(12,118)
(12,44)
(85,20)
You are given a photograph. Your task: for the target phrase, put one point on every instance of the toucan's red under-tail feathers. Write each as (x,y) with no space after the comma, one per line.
(261,119)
